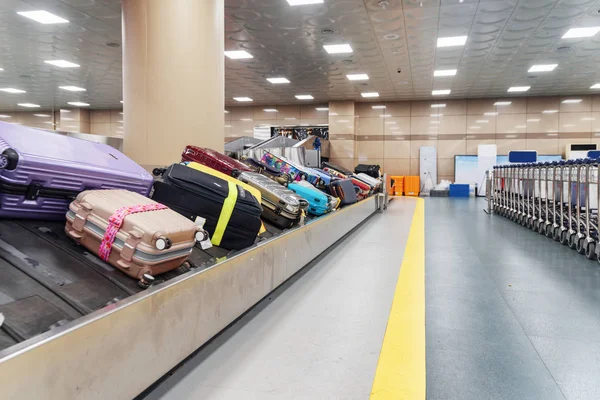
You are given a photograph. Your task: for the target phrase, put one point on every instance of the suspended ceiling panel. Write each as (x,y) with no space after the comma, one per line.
(395,46)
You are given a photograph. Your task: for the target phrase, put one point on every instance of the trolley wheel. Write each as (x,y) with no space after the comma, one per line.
(534,225)
(549,231)
(564,237)
(556,234)
(572,242)
(590,250)
(580,245)
(542,228)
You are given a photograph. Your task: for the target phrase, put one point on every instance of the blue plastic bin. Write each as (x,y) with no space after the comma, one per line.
(459,190)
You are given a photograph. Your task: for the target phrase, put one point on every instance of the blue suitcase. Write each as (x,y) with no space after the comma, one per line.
(318,203)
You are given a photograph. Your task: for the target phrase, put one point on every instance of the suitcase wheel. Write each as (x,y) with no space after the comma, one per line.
(163,243)
(146,281)
(201,236)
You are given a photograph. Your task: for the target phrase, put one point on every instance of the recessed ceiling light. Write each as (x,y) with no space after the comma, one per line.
(304,97)
(78,104)
(370,94)
(490,114)
(41,115)
(451,41)
(378,107)
(65,111)
(322,108)
(278,80)
(28,105)
(533,120)
(269,109)
(519,88)
(242,99)
(503,103)
(440,92)
(440,105)
(43,17)
(303,2)
(549,111)
(1,69)
(436,115)
(338,48)
(482,121)
(542,68)
(358,77)
(596,86)
(11,90)
(62,63)
(72,88)
(444,72)
(246,119)
(581,32)
(4,116)
(238,54)
(571,101)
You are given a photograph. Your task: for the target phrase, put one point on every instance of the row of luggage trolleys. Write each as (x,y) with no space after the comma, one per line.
(558,199)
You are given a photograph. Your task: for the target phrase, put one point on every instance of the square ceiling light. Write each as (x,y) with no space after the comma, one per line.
(322,108)
(304,97)
(439,105)
(78,104)
(451,41)
(574,33)
(28,105)
(596,86)
(238,54)
(338,48)
(444,72)
(503,103)
(519,88)
(303,2)
(378,107)
(243,99)
(43,17)
(542,68)
(440,92)
(41,115)
(62,63)
(72,88)
(358,77)
(571,101)
(269,109)
(369,94)
(11,90)
(278,80)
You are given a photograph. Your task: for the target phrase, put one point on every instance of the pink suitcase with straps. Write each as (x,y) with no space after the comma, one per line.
(133,233)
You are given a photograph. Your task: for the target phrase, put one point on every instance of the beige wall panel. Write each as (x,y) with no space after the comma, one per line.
(100,128)
(348,163)
(584,106)
(341,125)
(472,144)
(536,105)
(517,106)
(484,127)
(100,116)
(398,108)
(480,106)
(260,113)
(575,122)
(595,122)
(511,123)
(369,126)
(237,113)
(396,149)
(117,129)
(116,116)
(423,108)
(450,148)
(366,110)
(396,166)
(445,166)
(341,148)
(421,125)
(506,145)
(414,167)
(369,150)
(342,108)
(314,121)
(544,146)
(453,125)
(415,146)
(288,112)
(453,107)
(596,102)
(542,123)
(397,126)
(309,111)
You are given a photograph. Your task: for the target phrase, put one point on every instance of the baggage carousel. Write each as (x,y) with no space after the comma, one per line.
(77,328)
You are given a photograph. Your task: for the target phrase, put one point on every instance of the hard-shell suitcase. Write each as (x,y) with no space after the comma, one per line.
(342,170)
(318,203)
(131,232)
(333,202)
(371,170)
(231,212)
(266,170)
(362,189)
(213,159)
(207,170)
(282,165)
(281,206)
(42,172)
(373,182)
(344,189)
(312,176)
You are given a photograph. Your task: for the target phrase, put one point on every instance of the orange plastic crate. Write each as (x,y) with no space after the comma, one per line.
(397,189)
(412,185)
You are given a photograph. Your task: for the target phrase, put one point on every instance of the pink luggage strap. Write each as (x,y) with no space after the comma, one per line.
(116,221)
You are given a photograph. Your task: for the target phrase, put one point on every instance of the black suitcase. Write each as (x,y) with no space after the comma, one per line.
(232,219)
(336,168)
(344,189)
(371,170)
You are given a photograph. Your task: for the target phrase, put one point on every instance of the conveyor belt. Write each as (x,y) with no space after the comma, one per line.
(46,279)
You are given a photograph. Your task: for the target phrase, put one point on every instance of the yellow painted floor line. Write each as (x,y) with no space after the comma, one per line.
(401,368)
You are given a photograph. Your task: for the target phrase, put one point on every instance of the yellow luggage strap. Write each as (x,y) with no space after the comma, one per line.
(226,211)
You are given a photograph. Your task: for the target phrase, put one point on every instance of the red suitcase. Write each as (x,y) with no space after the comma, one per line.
(214,160)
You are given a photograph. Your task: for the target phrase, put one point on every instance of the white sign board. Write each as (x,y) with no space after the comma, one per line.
(486,159)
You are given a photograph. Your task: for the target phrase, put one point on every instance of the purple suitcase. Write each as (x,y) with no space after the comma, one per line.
(42,172)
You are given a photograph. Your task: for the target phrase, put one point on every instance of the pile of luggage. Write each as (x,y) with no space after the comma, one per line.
(145,225)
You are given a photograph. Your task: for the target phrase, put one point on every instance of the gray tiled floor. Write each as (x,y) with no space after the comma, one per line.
(510,314)
(318,337)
